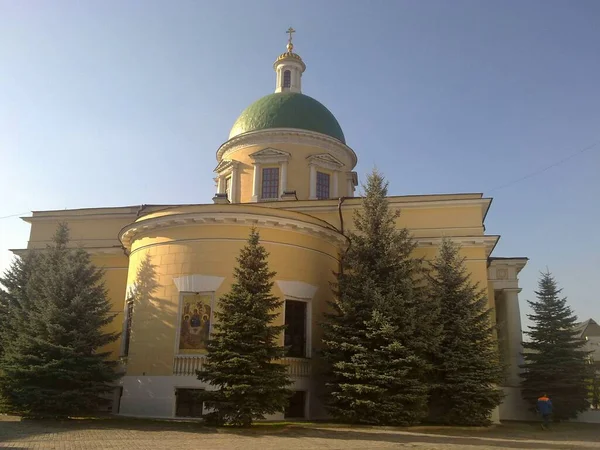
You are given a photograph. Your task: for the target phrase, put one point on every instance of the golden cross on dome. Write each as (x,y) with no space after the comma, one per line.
(290,46)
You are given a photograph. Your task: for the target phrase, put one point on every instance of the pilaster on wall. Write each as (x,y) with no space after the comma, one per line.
(503,275)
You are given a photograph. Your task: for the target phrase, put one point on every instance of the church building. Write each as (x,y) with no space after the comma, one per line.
(287,170)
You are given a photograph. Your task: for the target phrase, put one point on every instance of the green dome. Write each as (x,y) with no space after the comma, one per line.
(287,110)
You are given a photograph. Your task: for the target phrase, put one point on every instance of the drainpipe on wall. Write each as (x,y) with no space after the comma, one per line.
(341,230)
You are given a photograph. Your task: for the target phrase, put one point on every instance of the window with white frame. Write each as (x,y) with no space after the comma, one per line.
(270,174)
(323,182)
(296,328)
(270,183)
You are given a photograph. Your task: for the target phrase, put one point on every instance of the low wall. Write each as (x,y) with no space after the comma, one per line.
(591,416)
(513,407)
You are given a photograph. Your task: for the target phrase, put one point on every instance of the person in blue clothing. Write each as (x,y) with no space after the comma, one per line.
(544,406)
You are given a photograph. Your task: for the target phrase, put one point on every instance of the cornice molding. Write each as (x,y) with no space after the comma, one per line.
(517,263)
(132,231)
(275,136)
(489,242)
(91,250)
(324,207)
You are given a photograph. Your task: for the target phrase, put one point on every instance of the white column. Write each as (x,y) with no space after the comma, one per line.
(514,337)
(220,185)
(334,180)
(283,183)
(313,182)
(349,185)
(255,182)
(234,184)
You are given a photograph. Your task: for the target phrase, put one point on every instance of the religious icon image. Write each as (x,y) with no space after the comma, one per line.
(195,323)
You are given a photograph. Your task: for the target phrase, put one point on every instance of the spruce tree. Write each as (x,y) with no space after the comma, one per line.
(467,368)
(13,294)
(52,364)
(555,360)
(243,352)
(381,327)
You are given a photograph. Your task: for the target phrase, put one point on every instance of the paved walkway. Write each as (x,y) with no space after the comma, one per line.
(116,434)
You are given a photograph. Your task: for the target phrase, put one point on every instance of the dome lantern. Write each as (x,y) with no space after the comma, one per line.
(289,68)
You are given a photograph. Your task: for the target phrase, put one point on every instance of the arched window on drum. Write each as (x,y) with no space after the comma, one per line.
(287,79)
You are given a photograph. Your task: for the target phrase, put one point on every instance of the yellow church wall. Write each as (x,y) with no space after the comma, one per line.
(176,253)
(88,228)
(211,249)
(422,221)
(93,229)
(115,280)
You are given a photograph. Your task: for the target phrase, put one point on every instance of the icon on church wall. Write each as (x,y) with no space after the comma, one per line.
(195,319)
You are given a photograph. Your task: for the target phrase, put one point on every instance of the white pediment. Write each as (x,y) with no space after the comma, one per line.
(225,165)
(270,155)
(325,160)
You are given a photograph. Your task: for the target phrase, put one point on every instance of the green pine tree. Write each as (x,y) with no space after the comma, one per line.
(14,300)
(52,364)
(467,364)
(243,352)
(381,328)
(555,360)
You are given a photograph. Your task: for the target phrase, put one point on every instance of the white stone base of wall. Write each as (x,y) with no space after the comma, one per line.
(591,416)
(154,396)
(513,407)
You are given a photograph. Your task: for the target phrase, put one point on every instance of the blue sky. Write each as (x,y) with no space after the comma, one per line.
(125,102)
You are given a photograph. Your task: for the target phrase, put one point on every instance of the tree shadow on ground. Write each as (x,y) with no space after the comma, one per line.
(14,428)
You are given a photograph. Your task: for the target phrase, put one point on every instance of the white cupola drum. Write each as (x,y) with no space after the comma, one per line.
(289,68)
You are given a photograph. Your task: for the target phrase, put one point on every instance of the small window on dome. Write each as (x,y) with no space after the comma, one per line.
(287,79)
(270,183)
(322,185)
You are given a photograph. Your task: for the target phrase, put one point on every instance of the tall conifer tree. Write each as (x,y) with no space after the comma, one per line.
(381,327)
(555,360)
(52,363)
(467,368)
(14,300)
(243,351)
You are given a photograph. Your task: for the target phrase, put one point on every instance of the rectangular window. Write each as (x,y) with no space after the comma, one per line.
(322,185)
(297,406)
(127,333)
(228,188)
(270,182)
(295,331)
(188,403)
(287,79)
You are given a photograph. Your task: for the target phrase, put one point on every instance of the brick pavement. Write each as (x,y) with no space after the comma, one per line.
(144,435)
